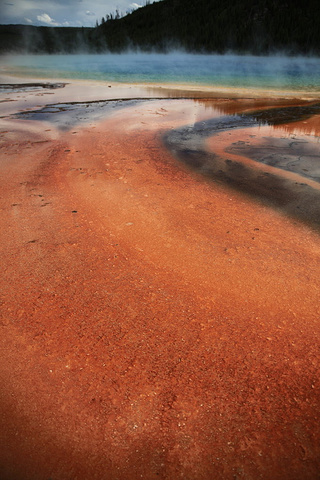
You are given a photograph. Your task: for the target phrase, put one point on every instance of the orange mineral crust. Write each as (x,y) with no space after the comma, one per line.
(154,324)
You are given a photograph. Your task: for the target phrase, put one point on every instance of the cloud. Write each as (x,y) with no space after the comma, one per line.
(135,5)
(45,18)
(62,12)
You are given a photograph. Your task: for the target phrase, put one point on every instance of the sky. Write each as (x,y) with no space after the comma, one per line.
(73,13)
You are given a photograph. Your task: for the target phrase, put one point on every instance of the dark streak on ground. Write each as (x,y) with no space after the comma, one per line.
(29,86)
(67,115)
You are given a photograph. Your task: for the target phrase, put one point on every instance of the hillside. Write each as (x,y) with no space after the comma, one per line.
(255,26)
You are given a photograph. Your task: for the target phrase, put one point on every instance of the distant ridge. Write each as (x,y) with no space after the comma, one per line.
(30,39)
(206,26)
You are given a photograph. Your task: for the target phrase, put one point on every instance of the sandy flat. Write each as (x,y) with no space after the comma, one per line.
(154,323)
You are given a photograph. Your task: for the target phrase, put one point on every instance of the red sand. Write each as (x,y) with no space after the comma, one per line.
(153,325)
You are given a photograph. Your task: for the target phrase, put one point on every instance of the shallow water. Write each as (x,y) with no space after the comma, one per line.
(279,72)
(280,168)
(297,195)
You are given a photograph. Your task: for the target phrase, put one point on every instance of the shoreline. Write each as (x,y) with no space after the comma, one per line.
(153,324)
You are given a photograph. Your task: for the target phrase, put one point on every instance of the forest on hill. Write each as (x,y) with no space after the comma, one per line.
(207,26)
(255,26)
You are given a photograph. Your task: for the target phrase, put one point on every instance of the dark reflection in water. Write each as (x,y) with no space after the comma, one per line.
(294,195)
(283,115)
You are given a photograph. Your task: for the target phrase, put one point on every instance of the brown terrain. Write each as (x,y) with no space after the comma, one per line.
(154,323)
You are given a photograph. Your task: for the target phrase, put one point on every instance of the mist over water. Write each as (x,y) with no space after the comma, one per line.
(279,72)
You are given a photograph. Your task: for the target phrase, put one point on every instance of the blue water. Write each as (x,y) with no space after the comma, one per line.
(280,72)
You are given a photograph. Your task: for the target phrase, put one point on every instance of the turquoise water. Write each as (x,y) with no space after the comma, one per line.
(280,72)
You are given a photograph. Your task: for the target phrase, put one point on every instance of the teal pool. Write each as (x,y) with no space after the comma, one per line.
(274,72)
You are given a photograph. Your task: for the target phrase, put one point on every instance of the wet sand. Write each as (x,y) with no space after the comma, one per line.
(155,323)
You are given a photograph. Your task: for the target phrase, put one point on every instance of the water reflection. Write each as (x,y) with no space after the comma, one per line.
(287,116)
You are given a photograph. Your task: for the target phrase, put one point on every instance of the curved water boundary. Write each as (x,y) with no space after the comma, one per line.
(293,190)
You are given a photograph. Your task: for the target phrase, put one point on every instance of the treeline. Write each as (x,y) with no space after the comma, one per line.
(30,39)
(118,14)
(208,26)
